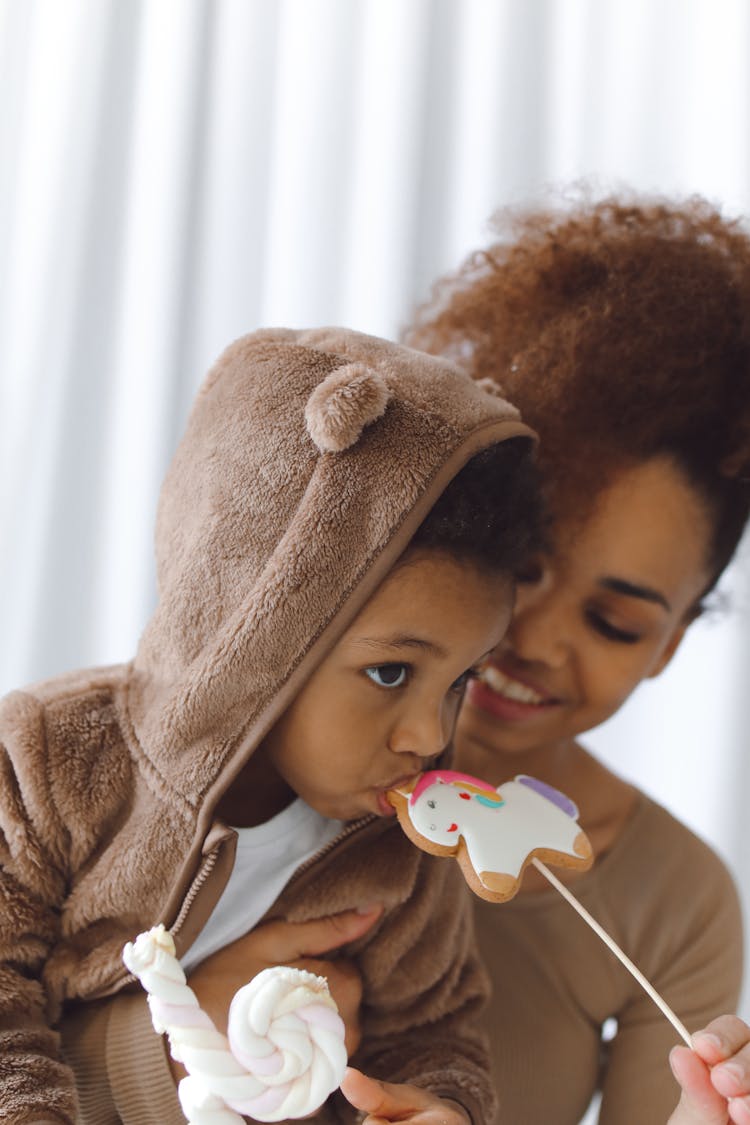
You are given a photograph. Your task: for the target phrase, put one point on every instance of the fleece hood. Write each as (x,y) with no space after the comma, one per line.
(310,459)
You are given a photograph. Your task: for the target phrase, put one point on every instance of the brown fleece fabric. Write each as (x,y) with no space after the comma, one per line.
(309,461)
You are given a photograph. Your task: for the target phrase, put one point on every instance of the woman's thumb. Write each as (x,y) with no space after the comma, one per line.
(699,1104)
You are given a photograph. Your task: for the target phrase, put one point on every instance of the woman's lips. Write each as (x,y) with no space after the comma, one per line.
(505,697)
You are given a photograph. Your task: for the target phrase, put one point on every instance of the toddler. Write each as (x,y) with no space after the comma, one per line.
(336,540)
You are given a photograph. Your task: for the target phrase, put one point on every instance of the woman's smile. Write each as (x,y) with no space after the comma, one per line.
(505,696)
(606,610)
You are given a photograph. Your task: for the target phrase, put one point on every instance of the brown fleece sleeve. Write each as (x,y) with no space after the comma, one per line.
(36,1085)
(121,1065)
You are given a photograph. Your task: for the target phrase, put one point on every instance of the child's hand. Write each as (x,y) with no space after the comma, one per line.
(714,1076)
(384,1102)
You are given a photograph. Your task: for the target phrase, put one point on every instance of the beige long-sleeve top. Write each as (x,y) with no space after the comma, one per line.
(670,903)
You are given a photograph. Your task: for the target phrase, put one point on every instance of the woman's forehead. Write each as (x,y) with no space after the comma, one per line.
(649,524)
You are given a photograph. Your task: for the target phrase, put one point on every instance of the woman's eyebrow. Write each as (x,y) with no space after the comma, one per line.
(402,640)
(634,590)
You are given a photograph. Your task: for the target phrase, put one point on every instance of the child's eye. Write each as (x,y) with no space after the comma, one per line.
(388,675)
(610,631)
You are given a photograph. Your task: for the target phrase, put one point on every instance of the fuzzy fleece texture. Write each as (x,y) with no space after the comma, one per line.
(270,538)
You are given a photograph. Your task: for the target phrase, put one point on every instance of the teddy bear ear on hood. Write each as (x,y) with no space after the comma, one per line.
(350,398)
(489,386)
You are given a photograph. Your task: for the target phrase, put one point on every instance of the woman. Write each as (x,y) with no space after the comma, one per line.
(590,322)
(622,332)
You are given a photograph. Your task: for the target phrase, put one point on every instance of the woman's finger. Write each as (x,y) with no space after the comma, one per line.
(700,1104)
(281,943)
(721,1038)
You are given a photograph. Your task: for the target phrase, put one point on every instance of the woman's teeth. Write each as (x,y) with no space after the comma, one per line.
(510,689)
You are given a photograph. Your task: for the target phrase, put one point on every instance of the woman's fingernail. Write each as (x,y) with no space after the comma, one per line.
(711,1037)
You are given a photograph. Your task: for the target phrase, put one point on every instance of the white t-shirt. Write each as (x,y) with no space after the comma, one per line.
(267,857)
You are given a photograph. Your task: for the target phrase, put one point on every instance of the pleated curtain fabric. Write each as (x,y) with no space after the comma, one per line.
(174,173)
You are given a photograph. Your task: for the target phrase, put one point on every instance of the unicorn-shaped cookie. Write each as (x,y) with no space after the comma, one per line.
(494,833)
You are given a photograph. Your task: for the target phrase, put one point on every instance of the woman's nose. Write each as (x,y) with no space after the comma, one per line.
(539,631)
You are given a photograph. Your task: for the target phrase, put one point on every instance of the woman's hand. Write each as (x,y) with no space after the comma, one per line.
(714,1075)
(298,944)
(384,1102)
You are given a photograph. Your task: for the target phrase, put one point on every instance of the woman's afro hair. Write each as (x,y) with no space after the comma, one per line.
(621,329)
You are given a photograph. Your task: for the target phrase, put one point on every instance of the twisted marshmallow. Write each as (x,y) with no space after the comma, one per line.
(285,1049)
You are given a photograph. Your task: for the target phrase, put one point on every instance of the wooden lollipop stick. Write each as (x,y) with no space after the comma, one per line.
(612,944)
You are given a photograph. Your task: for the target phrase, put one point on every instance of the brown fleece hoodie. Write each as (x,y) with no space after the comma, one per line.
(309,461)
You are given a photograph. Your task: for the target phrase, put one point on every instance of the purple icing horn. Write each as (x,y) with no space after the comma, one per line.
(553,795)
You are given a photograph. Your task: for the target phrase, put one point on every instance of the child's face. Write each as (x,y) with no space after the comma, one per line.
(383,704)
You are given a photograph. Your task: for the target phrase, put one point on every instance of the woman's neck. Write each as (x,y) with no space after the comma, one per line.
(548,762)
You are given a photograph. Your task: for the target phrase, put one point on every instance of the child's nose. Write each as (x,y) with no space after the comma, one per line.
(425,733)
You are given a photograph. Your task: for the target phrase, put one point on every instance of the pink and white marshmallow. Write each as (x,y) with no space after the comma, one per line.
(284,1049)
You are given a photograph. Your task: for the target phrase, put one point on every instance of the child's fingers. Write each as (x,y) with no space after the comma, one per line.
(700,1104)
(384,1102)
(367,1094)
(382,1099)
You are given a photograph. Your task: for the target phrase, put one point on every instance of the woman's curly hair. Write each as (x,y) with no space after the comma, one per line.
(621,329)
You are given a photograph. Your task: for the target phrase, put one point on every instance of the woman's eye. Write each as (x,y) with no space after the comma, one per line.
(388,675)
(610,631)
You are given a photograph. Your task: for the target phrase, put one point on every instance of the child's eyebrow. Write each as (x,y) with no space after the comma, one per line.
(401,640)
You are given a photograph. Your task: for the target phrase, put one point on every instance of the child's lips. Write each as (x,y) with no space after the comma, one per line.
(402,784)
(385,808)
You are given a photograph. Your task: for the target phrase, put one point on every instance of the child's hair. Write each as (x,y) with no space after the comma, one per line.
(621,330)
(492,512)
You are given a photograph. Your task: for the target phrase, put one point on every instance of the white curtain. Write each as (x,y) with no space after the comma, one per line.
(177,172)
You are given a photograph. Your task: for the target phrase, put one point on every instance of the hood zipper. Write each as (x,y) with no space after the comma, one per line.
(349,830)
(129,978)
(206,868)
(204,873)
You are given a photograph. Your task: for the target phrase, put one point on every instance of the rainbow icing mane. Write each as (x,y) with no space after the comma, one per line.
(475,786)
